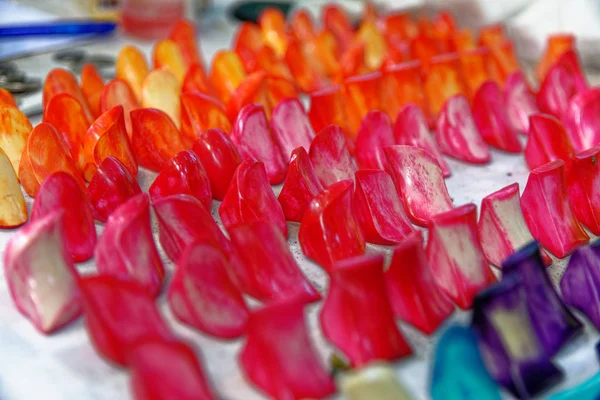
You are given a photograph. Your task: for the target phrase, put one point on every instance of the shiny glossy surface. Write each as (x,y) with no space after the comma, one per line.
(330,156)
(552,322)
(254,139)
(291,127)
(374,134)
(276,368)
(457,135)
(111,186)
(109,304)
(65,113)
(547,212)
(154,139)
(581,119)
(44,153)
(468,380)
(220,159)
(420,182)
(329,231)
(126,247)
(250,198)
(203,296)
(548,141)
(411,287)
(300,187)
(583,184)
(491,119)
(40,275)
(183,174)
(580,284)
(272,271)
(520,101)
(513,356)
(107,136)
(171,360)
(61,192)
(357,287)
(502,228)
(378,208)
(456,257)
(411,128)
(182,221)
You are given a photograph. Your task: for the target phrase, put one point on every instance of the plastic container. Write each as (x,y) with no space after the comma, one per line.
(150,19)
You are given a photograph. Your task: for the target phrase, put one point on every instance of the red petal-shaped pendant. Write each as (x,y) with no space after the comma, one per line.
(250,198)
(457,135)
(330,156)
(269,264)
(548,141)
(329,230)
(411,129)
(40,275)
(111,186)
(110,304)
(291,127)
(300,187)
(267,359)
(502,228)
(220,159)
(374,134)
(203,295)
(455,254)
(583,185)
(520,101)
(420,182)
(171,361)
(379,209)
(61,192)
(357,288)
(582,118)
(126,248)
(491,119)
(411,288)
(183,174)
(547,211)
(254,139)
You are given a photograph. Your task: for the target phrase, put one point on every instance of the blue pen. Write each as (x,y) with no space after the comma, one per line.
(58,28)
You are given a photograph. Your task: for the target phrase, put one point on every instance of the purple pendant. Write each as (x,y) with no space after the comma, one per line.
(554,324)
(508,341)
(580,284)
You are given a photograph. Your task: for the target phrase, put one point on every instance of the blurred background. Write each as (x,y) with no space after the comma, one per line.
(528,21)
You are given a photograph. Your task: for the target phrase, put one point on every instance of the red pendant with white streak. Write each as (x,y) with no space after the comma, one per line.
(502,228)
(457,135)
(547,211)
(330,156)
(455,254)
(420,182)
(379,209)
(40,275)
(411,129)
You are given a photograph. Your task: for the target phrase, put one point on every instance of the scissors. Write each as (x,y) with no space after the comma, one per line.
(76,59)
(16,81)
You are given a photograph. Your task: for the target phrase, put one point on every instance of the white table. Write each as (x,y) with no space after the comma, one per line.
(65,366)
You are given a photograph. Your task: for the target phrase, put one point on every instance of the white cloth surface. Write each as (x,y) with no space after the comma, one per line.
(65,366)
